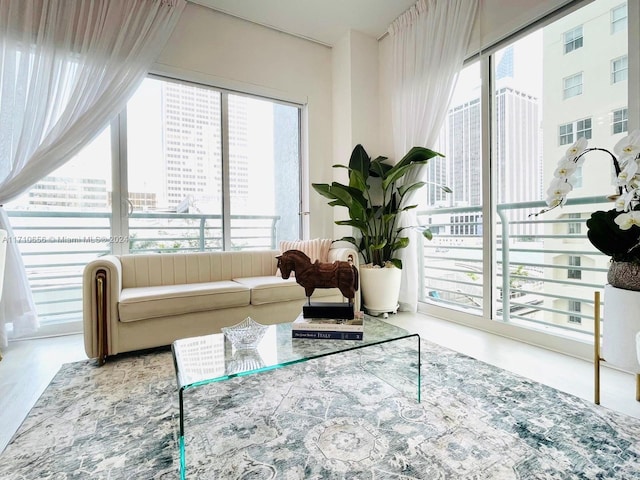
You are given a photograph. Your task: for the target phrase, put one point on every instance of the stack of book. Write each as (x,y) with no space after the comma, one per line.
(328,328)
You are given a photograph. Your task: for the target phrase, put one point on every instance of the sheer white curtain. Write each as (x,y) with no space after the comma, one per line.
(66,68)
(429,42)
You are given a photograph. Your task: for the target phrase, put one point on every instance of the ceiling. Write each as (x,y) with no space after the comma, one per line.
(323,21)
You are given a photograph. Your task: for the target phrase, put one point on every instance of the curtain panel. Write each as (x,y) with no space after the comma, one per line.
(66,69)
(429,42)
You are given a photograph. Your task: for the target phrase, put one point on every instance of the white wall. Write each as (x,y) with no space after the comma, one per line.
(355,106)
(223,51)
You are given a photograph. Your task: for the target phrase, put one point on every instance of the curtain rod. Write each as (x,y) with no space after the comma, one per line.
(544,20)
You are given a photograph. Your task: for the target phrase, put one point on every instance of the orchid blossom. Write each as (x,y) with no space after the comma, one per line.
(628,177)
(627,220)
(629,146)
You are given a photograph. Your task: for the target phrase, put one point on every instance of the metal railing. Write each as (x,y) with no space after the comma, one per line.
(55,247)
(545,268)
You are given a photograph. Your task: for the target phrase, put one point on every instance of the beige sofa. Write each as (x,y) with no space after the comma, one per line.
(133,302)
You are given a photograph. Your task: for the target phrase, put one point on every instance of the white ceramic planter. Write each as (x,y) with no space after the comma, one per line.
(380,288)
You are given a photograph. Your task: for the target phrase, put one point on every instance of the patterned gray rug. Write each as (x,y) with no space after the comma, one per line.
(351,416)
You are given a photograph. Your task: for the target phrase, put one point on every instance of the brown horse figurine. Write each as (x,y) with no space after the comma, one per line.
(339,274)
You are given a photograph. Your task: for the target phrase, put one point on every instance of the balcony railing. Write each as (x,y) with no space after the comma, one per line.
(545,268)
(56,246)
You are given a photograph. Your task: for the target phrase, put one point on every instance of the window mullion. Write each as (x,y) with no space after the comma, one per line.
(489,178)
(226,168)
(633,63)
(120,188)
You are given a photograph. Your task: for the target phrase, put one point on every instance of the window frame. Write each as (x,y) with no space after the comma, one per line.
(565,137)
(579,86)
(572,273)
(575,228)
(615,22)
(574,306)
(624,72)
(120,225)
(583,129)
(570,40)
(624,122)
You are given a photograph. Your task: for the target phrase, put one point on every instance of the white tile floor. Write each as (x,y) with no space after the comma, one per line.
(28,367)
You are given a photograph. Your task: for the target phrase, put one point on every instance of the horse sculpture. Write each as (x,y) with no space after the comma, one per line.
(339,274)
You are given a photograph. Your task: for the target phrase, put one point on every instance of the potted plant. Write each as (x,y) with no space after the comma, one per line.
(376,196)
(615,232)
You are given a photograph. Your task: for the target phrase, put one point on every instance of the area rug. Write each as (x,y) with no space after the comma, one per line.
(352,416)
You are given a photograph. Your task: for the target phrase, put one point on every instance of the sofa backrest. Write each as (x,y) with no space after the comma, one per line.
(195,267)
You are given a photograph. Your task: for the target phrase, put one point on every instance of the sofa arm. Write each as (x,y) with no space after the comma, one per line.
(101,287)
(343,254)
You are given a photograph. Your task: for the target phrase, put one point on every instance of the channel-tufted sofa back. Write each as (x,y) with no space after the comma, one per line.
(179,268)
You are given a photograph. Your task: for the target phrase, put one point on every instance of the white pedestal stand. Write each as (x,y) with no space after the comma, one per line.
(3,253)
(620,330)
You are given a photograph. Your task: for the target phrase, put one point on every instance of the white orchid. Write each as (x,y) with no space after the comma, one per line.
(629,146)
(623,202)
(559,188)
(627,220)
(556,201)
(628,179)
(628,150)
(626,212)
(627,175)
(577,148)
(565,168)
(557,192)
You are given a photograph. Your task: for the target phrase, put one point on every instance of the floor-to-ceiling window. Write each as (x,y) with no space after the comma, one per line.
(184,167)
(518,107)
(453,272)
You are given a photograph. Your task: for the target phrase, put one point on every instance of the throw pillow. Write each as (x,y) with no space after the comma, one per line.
(316,249)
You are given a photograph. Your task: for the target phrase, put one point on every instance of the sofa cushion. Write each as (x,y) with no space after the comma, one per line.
(140,303)
(271,289)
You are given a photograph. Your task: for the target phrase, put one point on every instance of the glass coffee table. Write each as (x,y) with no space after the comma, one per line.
(207,359)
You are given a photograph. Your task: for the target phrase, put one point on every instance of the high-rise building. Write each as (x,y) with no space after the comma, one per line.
(193,147)
(585,85)
(516,150)
(60,193)
(191,144)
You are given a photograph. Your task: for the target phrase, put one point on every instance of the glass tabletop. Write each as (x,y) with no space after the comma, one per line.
(211,358)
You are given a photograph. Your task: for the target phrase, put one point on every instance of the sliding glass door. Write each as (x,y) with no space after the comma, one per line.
(516,111)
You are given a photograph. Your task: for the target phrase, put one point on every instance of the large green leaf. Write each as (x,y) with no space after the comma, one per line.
(378,168)
(418,154)
(359,162)
(397,172)
(401,242)
(359,224)
(404,189)
(345,196)
(396,262)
